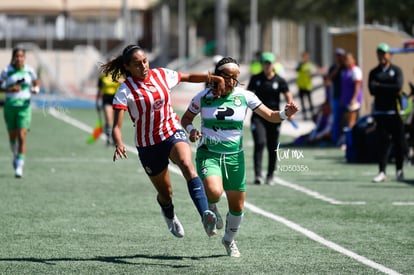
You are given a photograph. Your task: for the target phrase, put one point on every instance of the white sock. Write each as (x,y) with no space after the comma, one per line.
(20,162)
(232,226)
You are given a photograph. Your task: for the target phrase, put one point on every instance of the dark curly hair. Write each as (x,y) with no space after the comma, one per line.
(115,67)
(223,61)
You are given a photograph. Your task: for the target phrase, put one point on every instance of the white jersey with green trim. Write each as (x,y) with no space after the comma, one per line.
(222,118)
(24,77)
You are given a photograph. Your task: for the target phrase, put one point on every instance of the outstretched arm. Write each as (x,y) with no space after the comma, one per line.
(277,116)
(200,78)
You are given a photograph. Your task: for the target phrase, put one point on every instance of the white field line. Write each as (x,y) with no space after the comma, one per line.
(313,236)
(315,194)
(403,203)
(68,160)
(70,120)
(80,125)
(266,214)
(311,193)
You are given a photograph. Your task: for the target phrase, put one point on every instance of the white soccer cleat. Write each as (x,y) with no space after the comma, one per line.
(174,226)
(18,172)
(231,248)
(209,222)
(381,177)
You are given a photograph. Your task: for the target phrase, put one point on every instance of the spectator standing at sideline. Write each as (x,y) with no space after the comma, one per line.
(159,137)
(334,84)
(268,87)
(351,91)
(220,155)
(385,83)
(18,80)
(305,69)
(255,66)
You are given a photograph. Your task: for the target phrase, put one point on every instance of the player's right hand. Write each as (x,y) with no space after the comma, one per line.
(194,135)
(120,152)
(291,108)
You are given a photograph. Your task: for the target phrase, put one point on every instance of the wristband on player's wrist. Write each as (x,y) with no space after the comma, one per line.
(282,115)
(189,128)
(36,89)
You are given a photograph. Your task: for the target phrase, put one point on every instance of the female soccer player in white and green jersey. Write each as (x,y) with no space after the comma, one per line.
(220,156)
(18,81)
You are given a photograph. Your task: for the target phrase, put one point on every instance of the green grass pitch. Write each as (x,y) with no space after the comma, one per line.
(77,212)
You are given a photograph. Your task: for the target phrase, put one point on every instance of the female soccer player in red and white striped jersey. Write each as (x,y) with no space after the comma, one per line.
(145,94)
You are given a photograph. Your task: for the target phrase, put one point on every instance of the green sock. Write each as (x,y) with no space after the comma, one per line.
(20,156)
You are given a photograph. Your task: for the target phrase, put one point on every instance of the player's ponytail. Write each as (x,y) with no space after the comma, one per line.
(115,67)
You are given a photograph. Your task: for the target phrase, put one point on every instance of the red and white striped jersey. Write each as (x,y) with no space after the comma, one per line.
(149,106)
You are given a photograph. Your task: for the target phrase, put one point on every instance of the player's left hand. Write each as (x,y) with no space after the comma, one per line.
(291,108)
(35,90)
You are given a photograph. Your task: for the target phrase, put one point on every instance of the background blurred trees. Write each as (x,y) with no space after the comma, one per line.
(332,12)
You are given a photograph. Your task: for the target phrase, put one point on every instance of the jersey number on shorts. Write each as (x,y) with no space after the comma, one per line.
(180,135)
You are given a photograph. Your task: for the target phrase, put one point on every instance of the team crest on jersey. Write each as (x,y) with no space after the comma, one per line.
(152,89)
(157,104)
(275,85)
(237,101)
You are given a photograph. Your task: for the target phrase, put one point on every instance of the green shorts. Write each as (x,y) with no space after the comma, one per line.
(17,117)
(230,167)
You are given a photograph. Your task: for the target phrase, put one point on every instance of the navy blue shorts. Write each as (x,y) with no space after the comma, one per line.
(155,158)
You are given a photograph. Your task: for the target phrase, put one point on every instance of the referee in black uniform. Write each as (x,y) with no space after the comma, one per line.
(385,83)
(267,86)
